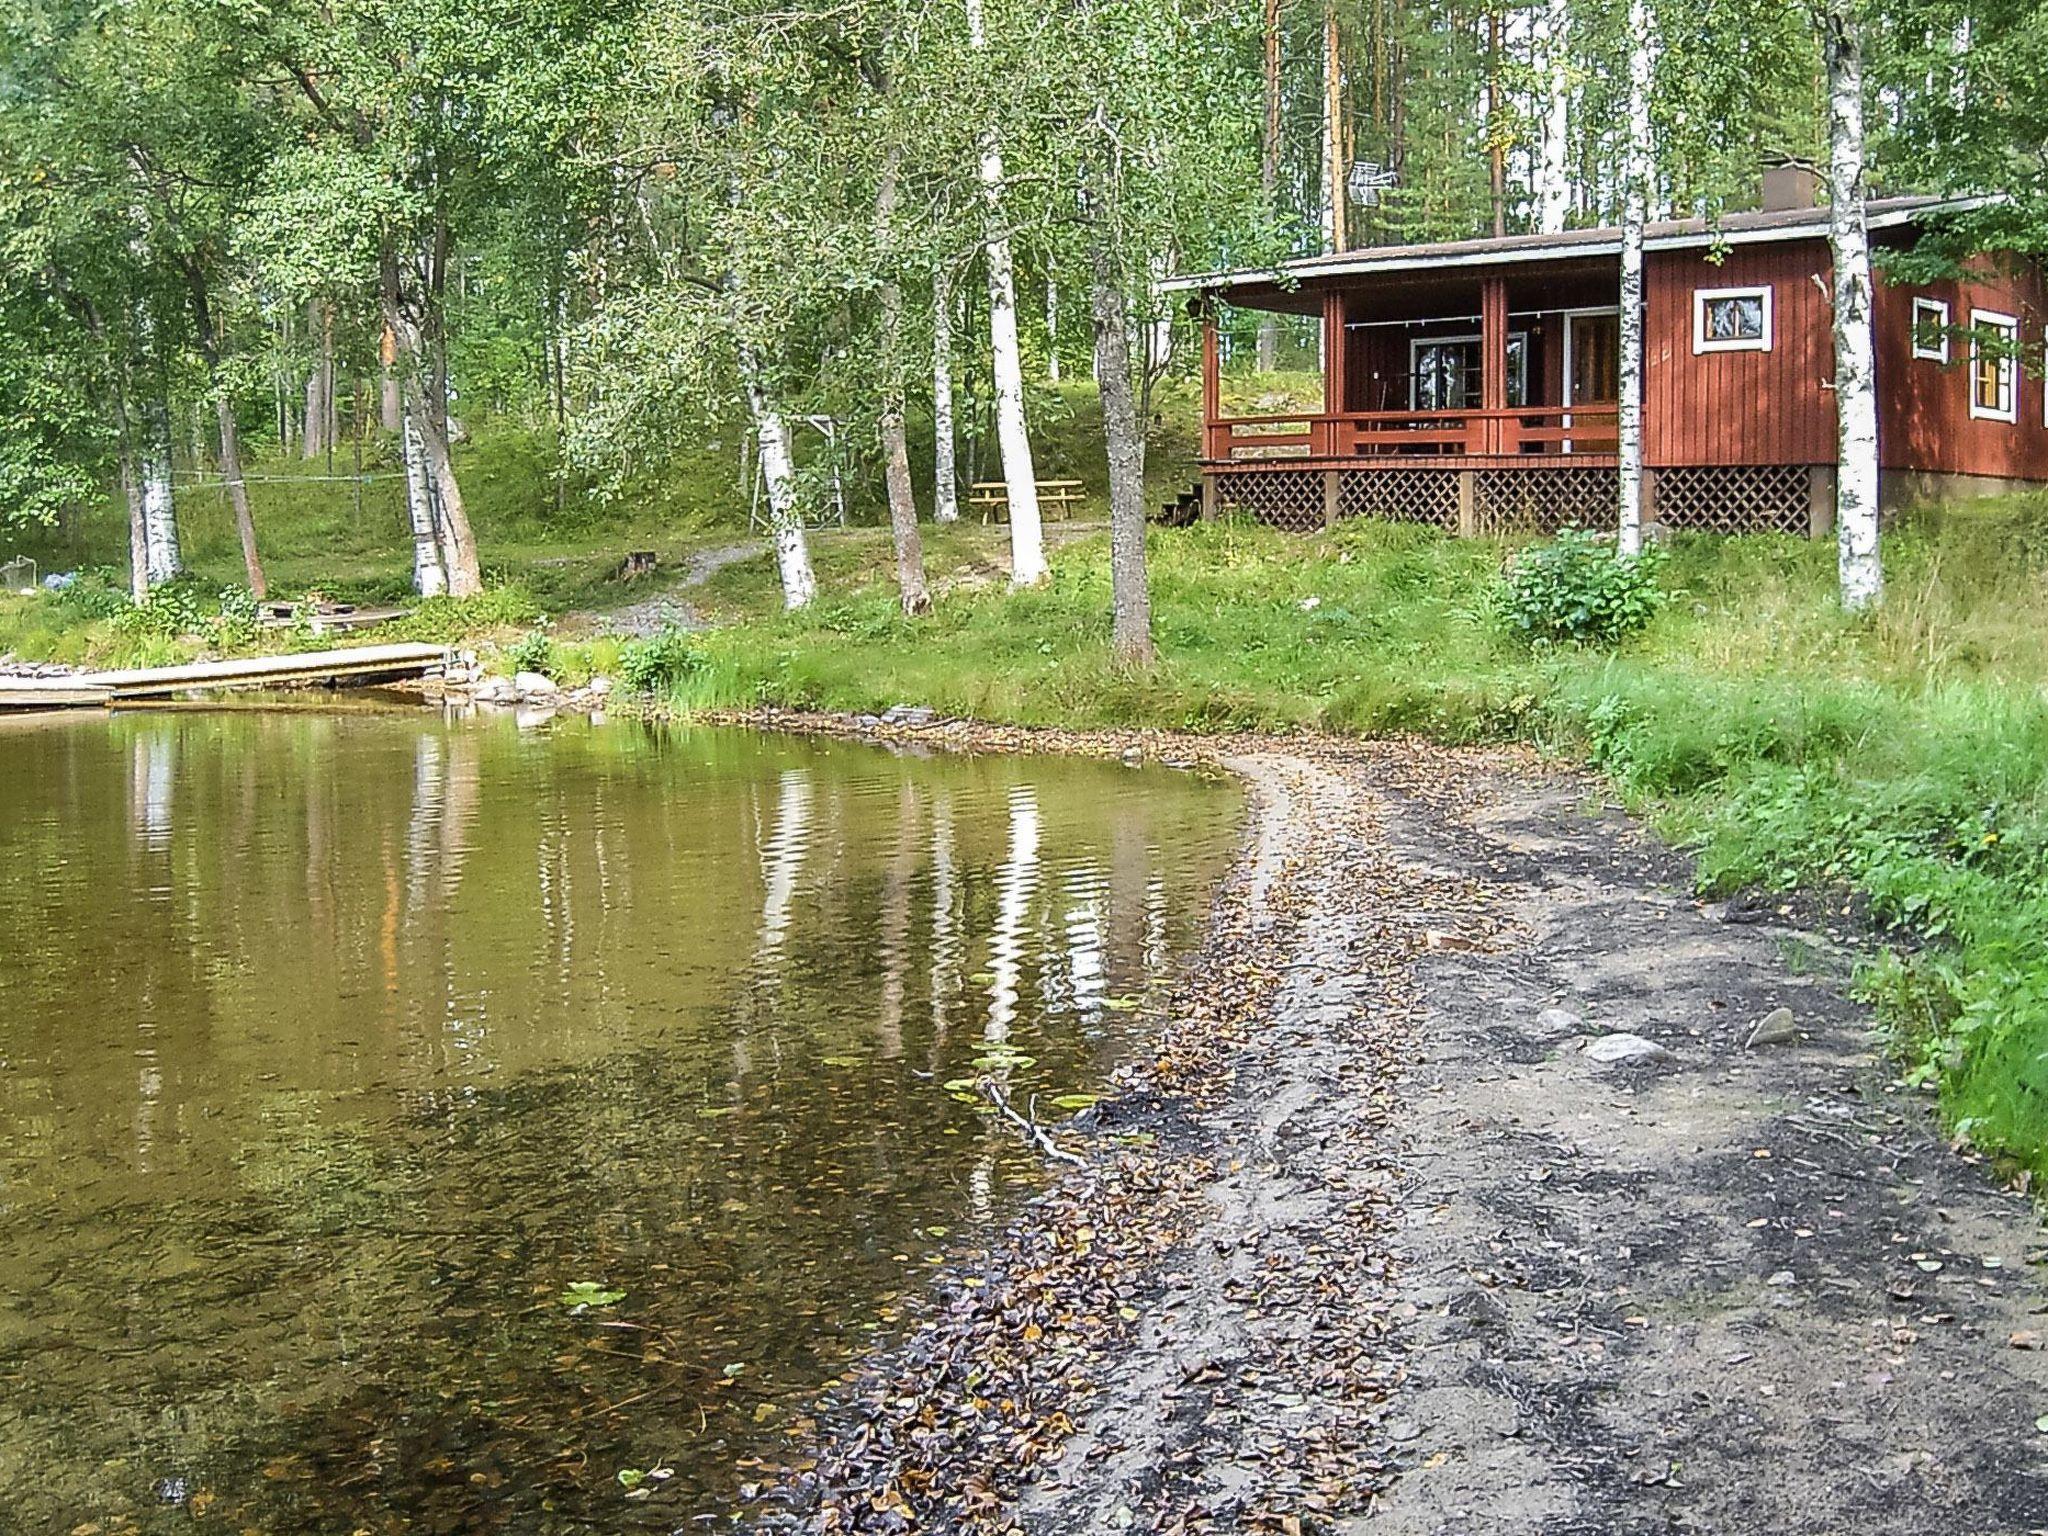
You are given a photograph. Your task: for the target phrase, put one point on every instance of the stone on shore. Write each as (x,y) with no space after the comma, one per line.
(1624,1049)
(1775,1028)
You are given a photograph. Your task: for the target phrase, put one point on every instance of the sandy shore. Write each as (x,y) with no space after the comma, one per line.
(1370,1242)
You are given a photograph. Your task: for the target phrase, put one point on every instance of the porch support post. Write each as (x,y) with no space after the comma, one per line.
(1493,359)
(1336,385)
(1333,492)
(1214,446)
(1468,503)
(1820,500)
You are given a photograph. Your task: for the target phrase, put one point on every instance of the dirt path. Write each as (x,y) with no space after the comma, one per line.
(1406,1259)
(668,608)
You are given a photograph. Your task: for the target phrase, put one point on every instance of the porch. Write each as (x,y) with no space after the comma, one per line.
(1479,398)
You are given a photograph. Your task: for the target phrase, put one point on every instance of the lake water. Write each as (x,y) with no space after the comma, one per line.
(337,1050)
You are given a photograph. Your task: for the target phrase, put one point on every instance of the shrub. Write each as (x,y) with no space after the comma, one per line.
(658,663)
(1578,588)
(536,653)
(237,623)
(169,612)
(99,592)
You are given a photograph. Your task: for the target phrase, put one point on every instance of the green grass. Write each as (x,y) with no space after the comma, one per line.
(316,537)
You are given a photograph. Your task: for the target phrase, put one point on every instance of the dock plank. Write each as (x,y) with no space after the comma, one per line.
(355,662)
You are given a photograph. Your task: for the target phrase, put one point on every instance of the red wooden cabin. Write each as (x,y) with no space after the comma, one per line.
(1472,384)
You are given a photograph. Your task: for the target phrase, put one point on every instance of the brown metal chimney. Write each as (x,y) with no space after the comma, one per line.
(1790,185)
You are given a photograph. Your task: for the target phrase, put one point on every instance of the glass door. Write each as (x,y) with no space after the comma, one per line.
(1592,368)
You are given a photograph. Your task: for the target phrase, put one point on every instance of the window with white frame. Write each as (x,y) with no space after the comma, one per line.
(1994,366)
(1930,329)
(1731,320)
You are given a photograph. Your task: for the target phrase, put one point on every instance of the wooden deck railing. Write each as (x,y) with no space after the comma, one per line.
(1519,430)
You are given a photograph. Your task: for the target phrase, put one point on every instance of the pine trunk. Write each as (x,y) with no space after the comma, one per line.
(238,492)
(1020,476)
(909,544)
(1130,596)
(903,531)
(390,397)
(946,473)
(458,542)
(792,551)
(1634,194)
(1052,331)
(207,335)
(314,440)
(1856,475)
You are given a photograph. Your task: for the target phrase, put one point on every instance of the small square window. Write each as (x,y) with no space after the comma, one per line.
(1930,330)
(1994,368)
(1731,320)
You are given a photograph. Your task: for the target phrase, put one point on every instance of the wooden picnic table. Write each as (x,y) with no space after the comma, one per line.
(1058,498)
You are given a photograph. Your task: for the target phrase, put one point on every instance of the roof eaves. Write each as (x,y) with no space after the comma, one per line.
(1591,242)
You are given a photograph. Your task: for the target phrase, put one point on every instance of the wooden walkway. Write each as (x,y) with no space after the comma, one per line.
(361,664)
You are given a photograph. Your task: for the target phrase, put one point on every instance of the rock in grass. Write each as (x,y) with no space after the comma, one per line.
(535,685)
(1774,1028)
(1625,1049)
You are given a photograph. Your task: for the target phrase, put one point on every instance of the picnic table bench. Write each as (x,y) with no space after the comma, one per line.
(1056,498)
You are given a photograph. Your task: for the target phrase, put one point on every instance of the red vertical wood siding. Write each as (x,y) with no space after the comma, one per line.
(1771,407)
(1924,420)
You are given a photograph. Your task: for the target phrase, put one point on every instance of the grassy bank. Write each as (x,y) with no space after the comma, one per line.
(1900,761)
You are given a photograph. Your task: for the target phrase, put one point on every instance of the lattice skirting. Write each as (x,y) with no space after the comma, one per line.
(1401,496)
(1735,498)
(1286,498)
(1767,498)
(1544,500)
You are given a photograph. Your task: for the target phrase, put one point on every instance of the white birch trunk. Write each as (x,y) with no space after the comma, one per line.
(1553,184)
(785,518)
(159,518)
(946,489)
(1635,176)
(1856,517)
(138,527)
(429,574)
(1020,476)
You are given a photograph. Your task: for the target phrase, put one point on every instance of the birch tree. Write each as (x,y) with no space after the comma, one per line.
(778,474)
(1856,504)
(1020,478)
(1553,192)
(429,573)
(945,471)
(1635,200)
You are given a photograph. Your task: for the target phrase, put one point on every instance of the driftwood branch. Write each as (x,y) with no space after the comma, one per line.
(1039,1135)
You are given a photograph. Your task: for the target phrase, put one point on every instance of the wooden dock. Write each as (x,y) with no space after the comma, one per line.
(357,664)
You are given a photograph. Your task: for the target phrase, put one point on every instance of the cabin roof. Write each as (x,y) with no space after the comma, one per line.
(1669,234)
